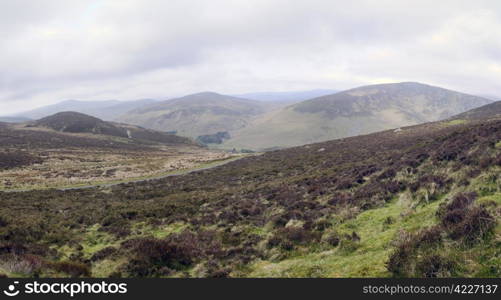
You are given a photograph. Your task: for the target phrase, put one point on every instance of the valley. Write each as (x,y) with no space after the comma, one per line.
(70,150)
(147,143)
(421,201)
(71,168)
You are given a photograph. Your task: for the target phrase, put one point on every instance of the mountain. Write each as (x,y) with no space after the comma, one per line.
(422,201)
(198,114)
(488,111)
(107,110)
(14,119)
(289,97)
(74,122)
(353,112)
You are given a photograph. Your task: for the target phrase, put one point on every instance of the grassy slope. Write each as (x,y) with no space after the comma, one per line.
(288,128)
(240,202)
(198,114)
(359,111)
(369,260)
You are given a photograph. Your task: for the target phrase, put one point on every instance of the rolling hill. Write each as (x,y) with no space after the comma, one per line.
(73,122)
(353,112)
(488,111)
(197,114)
(107,110)
(422,201)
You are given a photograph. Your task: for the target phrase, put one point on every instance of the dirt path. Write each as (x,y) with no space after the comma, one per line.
(102,185)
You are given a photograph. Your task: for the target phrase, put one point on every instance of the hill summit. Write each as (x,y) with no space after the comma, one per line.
(75,122)
(354,112)
(198,114)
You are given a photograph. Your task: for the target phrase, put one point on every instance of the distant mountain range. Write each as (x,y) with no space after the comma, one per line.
(14,119)
(107,110)
(357,111)
(287,96)
(270,120)
(197,114)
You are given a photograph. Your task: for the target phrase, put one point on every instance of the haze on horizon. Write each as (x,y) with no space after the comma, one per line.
(95,50)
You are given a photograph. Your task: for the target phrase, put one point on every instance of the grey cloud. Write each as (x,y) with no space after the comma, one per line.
(54,50)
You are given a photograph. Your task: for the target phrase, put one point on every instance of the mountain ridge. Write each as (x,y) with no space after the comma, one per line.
(107,110)
(353,112)
(197,114)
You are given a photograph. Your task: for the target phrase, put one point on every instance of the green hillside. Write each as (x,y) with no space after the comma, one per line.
(196,115)
(358,111)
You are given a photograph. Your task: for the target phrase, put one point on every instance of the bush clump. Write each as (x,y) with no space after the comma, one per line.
(464,220)
(74,269)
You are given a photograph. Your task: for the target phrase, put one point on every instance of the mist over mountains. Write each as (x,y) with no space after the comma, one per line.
(106,110)
(287,96)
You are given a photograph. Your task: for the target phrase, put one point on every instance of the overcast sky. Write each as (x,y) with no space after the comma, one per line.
(129,49)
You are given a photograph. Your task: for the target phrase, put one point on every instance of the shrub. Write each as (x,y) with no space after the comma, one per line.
(3,221)
(120,231)
(463,220)
(286,245)
(355,237)
(12,248)
(399,262)
(176,252)
(476,224)
(103,253)
(389,173)
(389,220)
(297,235)
(215,270)
(321,225)
(345,184)
(430,237)
(73,269)
(274,241)
(151,255)
(432,266)
(279,221)
(333,239)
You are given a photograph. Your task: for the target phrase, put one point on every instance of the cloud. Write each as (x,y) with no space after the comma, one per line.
(56,50)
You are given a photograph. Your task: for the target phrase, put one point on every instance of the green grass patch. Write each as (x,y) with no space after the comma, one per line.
(369,258)
(454,122)
(95,240)
(159,232)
